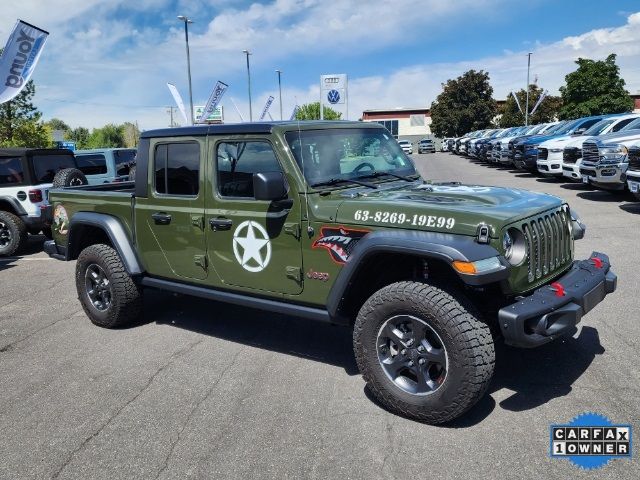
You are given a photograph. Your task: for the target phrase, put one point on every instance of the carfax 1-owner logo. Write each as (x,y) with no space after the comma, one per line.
(590,441)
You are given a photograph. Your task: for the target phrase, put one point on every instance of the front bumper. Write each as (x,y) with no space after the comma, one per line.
(572,171)
(552,165)
(554,310)
(633,182)
(607,176)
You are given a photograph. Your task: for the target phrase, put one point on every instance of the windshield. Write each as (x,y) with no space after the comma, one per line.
(342,154)
(600,127)
(568,127)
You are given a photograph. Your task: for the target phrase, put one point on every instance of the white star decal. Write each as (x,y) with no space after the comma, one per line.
(256,250)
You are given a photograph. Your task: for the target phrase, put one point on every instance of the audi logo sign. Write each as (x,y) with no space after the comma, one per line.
(332,80)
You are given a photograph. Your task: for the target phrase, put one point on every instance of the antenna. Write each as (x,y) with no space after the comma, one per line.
(306,183)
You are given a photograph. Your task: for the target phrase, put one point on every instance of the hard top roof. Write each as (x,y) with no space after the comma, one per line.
(21,151)
(254,127)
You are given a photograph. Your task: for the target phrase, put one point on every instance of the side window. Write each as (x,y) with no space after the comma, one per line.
(238,161)
(94,164)
(124,159)
(588,124)
(177,168)
(11,172)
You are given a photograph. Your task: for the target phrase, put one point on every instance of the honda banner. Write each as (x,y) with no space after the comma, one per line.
(266,107)
(178,99)
(213,101)
(19,58)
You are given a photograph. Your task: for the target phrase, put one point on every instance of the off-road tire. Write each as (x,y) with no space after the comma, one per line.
(69,177)
(17,232)
(467,340)
(126,295)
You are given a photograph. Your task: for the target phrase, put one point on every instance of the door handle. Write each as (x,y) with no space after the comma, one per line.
(161,218)
(220,223)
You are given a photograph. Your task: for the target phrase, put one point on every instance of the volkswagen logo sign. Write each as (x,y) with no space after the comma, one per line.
(333,96)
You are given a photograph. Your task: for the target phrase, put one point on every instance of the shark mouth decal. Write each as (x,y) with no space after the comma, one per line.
(339,241)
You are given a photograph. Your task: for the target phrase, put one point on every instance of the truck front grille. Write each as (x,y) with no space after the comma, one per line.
(548,239)
(634,159)
(571,154)
(543,153)
(590,154)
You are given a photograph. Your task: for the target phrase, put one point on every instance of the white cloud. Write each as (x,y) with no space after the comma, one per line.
(102,65)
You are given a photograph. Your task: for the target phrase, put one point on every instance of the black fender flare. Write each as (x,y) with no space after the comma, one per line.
(15,204)
(441,246)
(116,233)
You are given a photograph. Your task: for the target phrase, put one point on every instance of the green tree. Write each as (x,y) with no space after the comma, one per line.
(131,134)
(465,104)
(57,124)
(311,111)
(594,88)
(20,124)
(547,111)
(80,136)
(109,136)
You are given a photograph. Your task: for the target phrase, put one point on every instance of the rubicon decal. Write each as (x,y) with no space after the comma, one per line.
(339,241)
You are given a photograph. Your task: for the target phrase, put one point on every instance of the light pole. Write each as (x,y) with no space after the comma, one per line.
(247,53)
(187,21)
(526,110)
(279,72)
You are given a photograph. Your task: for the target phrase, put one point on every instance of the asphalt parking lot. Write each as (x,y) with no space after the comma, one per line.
(206,390)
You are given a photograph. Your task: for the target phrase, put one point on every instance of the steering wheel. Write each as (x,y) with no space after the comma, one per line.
(362,165)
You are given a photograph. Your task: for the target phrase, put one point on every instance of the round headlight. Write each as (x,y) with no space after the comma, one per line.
(507,245)
(514,246)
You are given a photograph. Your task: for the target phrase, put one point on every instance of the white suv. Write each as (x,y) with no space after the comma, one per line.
(406,146)
(26,175)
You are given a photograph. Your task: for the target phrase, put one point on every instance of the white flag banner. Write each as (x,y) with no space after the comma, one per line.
(266,107)
(542,97)
(294,113)
(19,58)
(212,103)
(515,97)
(178,99)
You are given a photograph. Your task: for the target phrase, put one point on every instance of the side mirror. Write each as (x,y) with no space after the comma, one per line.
(269,186)
(579,131)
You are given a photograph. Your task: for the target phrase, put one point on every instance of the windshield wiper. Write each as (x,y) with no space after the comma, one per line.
(334,181)
(376,174)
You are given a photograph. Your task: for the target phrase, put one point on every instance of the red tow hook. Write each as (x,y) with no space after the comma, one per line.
(597,262)
(558,288)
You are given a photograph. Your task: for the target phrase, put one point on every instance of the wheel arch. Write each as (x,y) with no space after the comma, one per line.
(11,205)
(385,257)
(90,228)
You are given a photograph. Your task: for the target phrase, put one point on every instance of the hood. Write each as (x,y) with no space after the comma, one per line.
(537,139)
(618,137)
(559,142)
(439,207)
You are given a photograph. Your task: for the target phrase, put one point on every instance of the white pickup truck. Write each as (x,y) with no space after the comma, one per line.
(633,170)
(567,151)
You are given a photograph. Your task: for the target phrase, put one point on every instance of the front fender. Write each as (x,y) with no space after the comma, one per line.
(441,246)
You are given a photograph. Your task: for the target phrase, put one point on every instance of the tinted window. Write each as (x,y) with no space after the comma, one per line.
(621,124)
(124,159)
(93,164)
(177,168)
(11,172)
(46,166)
(238,161)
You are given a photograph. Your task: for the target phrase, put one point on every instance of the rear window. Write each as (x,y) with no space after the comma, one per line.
(93,164)
(46,166)
(11,171)
(125,159)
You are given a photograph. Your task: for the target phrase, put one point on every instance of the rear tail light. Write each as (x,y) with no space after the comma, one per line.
(35,196)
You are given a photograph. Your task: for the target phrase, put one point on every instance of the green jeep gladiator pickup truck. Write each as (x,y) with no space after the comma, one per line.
(330,221)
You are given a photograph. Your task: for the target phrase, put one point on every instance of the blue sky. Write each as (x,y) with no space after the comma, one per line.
(109,61)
